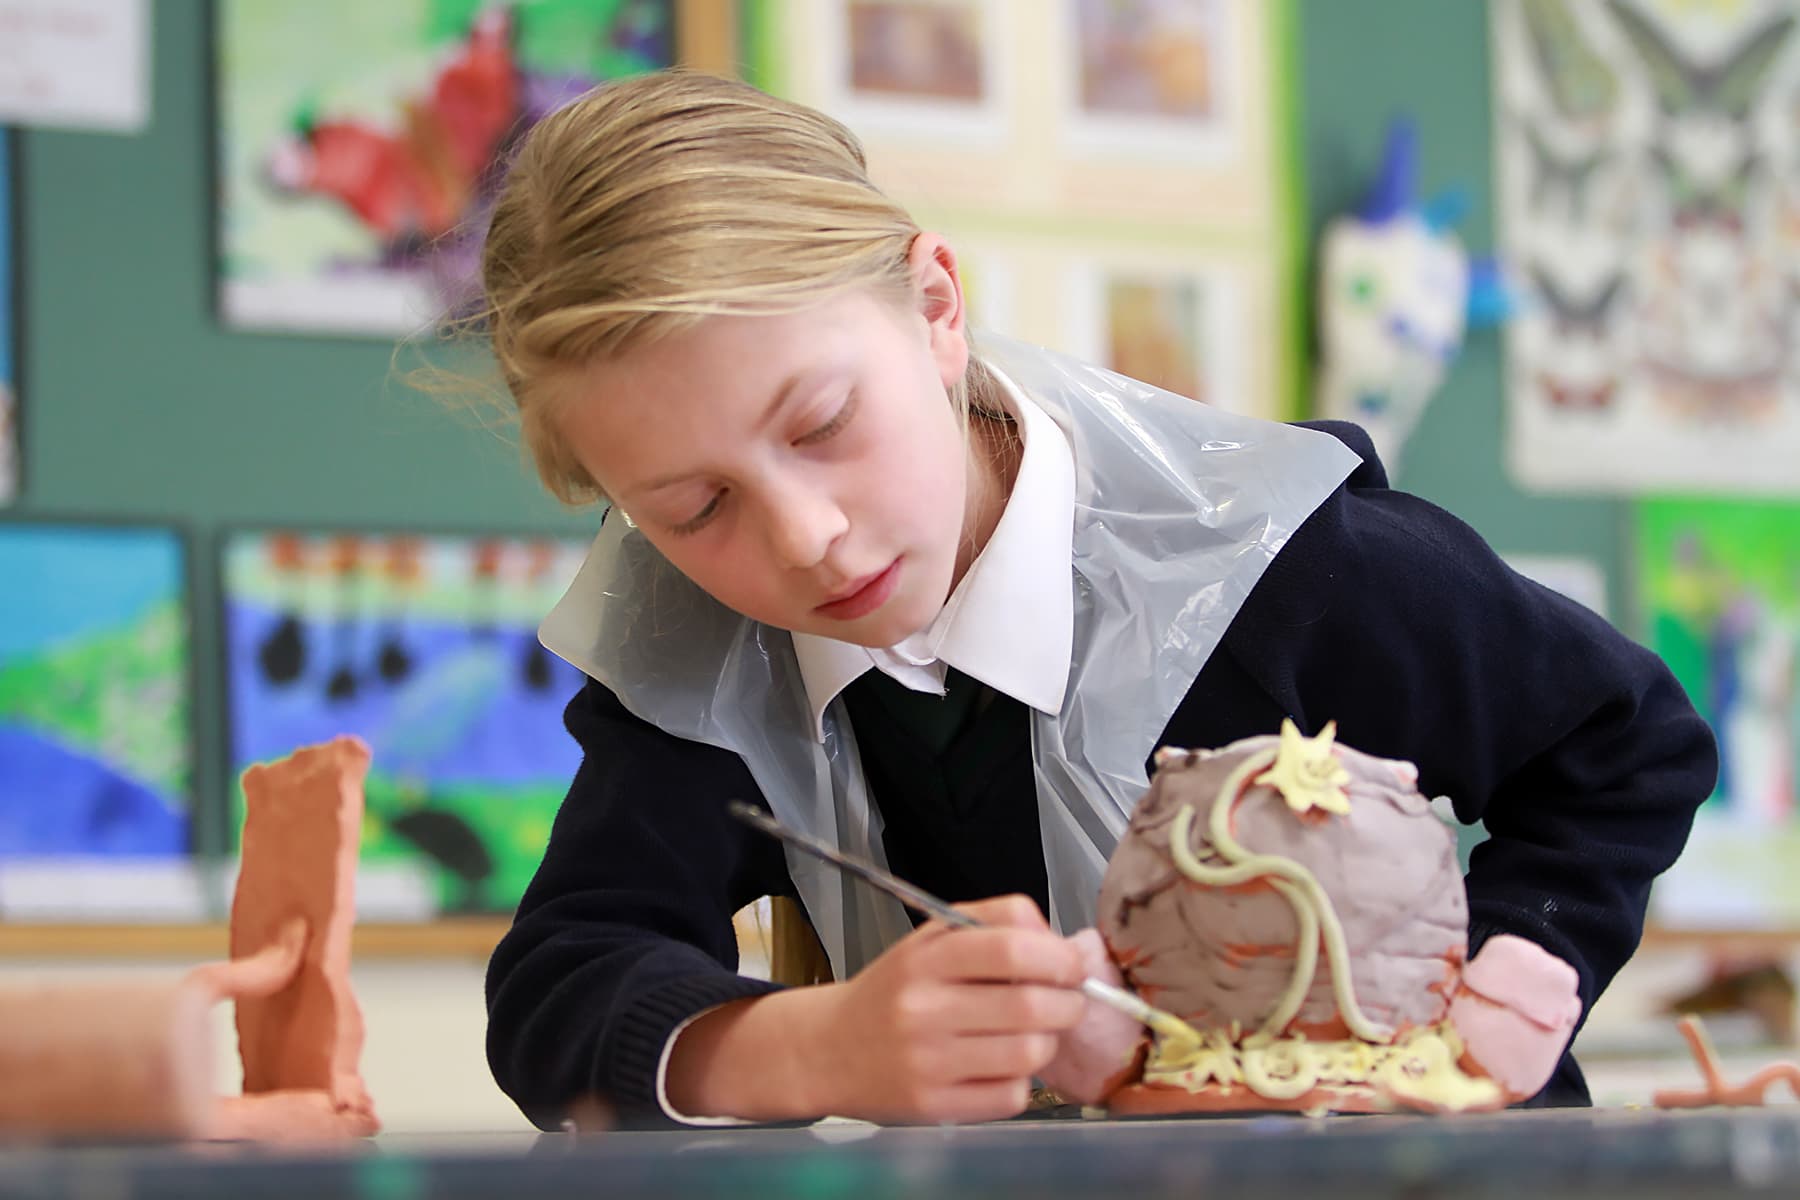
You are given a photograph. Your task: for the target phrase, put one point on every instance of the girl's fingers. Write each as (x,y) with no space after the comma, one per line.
(950,1010)
(985,1008)
(1001,956)
(1013,911)
(989,1057)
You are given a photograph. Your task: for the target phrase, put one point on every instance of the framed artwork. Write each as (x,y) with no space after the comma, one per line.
(1719,591)
(1647,192)
(1183,320)
(426,648)
(916,68)
(96,747)
(1149,79)
(9,326)
(359,145)
(1177,326)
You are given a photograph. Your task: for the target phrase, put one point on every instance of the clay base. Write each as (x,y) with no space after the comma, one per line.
(290,1118)
(1155,1099)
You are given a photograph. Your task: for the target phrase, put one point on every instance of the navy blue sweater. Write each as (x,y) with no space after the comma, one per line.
(1573,744)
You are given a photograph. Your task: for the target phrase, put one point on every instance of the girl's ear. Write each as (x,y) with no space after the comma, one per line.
(940,298)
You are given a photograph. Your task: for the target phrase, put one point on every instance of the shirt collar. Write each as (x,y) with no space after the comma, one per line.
(1010,623)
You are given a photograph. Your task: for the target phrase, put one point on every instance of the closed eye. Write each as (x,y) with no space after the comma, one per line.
(699,519)
(830,428)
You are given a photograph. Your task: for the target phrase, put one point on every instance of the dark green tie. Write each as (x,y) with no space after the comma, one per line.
(934,720)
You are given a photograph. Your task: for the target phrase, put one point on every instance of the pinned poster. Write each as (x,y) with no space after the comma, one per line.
(96,765)
(1647,194)
(75,64)
(426,648)
(1719,594)
(1151,79)
(362,146)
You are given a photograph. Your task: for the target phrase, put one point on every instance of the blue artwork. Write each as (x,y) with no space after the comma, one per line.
(426,648)
(94,739)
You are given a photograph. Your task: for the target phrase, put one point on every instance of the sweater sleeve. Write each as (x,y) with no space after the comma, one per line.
(1573,744)
(625,931)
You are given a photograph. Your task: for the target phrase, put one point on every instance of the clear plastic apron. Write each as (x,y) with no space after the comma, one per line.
(1179,509)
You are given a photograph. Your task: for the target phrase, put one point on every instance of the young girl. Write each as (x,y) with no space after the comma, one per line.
(941,608)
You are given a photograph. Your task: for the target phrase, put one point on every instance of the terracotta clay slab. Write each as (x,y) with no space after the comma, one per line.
(302,827)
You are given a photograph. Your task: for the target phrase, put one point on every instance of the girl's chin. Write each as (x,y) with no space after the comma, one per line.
(876,636)
(881,629)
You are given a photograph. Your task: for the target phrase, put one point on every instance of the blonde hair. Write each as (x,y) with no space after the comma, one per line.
(652,202)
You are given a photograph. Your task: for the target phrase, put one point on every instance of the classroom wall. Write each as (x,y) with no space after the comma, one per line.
(136,402)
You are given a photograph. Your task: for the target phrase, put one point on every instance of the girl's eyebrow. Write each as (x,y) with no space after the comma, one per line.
(783,394)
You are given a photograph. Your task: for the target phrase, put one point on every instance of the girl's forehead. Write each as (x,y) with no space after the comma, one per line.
(736,354)
(634,416)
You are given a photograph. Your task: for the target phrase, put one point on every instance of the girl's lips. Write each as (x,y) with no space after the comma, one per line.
(866,595)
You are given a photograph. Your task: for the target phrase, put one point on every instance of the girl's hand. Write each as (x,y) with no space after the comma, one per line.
(948,1025)
(1101,1053)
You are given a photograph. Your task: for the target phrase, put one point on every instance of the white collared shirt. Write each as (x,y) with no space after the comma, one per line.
(1010,623)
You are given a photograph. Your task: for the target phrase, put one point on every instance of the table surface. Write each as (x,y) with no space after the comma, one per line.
(1541,1155)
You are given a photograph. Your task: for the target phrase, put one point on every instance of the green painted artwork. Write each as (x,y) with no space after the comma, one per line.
(1719,594)
(95,749)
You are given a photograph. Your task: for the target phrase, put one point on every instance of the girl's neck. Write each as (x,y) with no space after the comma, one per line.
(995,451)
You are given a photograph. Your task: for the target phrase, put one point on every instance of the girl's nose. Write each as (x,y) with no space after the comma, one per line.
(803,525)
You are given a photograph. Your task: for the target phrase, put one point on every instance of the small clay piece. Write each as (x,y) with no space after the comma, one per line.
(300,1039)
(1752,1093)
